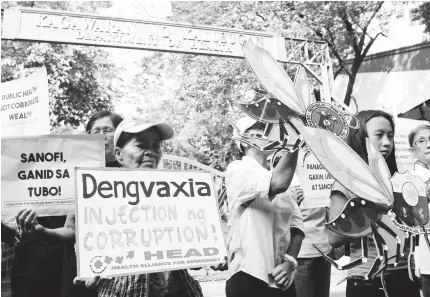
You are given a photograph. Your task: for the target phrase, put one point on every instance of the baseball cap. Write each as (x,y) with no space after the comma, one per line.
(138,125)
(241,126)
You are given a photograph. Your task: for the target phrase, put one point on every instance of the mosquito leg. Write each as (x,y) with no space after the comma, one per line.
(356,262)
(392,233)
(381,248)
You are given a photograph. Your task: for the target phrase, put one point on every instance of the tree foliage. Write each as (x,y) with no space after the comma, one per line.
(349,27)
(81,79)
(421,14)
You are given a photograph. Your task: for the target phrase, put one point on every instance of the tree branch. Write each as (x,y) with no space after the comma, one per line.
(333,47)
(339,71)
(364,29)
(371,43)
(274,12)
(259,15)
(373,15)
(348,26)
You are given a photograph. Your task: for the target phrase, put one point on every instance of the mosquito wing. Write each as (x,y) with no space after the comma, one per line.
(272,77)
(343,164)
(379,168)
(302,86)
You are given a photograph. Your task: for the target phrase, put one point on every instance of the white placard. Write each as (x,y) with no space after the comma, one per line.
(135,221)
(315,181)
(38,171)
(25,105)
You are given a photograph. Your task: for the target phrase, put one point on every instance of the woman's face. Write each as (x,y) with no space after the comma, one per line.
(380,133)
(105,126)
(142,151)
(421,145)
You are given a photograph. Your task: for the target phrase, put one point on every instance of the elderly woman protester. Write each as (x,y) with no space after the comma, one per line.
(419,140)
(138,145)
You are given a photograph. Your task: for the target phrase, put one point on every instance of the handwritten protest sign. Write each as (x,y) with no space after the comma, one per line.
(25,105)
(315,181)
(38,172)
(133,221)
(404,156)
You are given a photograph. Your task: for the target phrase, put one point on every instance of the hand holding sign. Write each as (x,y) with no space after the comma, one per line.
(92,283)
(26,220)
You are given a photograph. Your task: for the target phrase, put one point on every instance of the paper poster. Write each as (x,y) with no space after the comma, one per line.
(315,181)
(25,105)
(135,221)
(404,156)
(38,171)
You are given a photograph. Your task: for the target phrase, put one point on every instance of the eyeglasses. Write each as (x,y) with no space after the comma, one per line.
(104,130)
(421,142)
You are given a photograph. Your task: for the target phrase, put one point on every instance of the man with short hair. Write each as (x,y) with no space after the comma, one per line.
(266,224)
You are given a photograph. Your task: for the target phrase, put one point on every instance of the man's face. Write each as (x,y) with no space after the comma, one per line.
(142,151)
(105,126)
(259,131)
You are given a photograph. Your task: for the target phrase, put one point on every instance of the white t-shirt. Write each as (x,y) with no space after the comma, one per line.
(314,220)
(261,235)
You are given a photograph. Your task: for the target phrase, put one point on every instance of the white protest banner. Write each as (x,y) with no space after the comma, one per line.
(315,181)
(136,221)
(25,105)
(404,156)
(38,171)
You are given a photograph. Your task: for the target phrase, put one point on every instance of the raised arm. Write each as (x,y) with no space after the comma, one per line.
(283,174)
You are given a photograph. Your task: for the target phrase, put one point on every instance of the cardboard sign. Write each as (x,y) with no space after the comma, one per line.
(25,105)
(404,157)
(135,221)
(315,181)
(38,172)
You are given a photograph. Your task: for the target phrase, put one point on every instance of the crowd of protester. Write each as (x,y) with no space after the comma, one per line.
(271,237)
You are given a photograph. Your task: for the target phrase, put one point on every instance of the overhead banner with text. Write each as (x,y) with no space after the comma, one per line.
(315,181)
(89,29)
(135,221)
(25,105)
(38,172)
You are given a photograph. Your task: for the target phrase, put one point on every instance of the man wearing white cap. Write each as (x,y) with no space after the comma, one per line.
(138,145)
(266,223)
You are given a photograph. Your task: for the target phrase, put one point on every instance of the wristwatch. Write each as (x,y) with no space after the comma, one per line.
(292,260)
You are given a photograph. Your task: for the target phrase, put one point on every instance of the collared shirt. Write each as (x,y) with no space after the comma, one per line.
(260,227)
(160,285)
(314,220)
(422,253)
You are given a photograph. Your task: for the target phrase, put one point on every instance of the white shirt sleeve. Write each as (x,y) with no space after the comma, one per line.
(245,183)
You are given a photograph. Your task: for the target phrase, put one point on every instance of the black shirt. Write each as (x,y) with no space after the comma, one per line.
(37,259)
